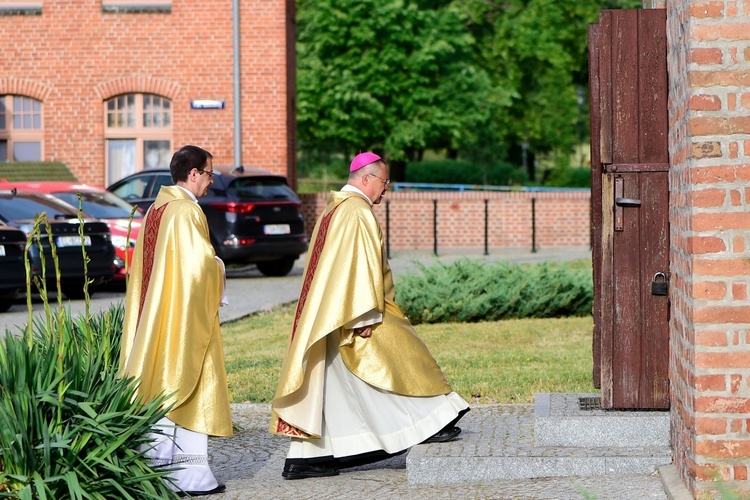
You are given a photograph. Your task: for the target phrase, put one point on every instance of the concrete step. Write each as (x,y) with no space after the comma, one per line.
(499,443)
(577,420)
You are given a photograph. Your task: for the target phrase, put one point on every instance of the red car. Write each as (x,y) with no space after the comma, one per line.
(100,204)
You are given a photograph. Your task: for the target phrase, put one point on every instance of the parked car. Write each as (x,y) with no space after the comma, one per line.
(253,215)
(12,270)
(19,208)
(101,204)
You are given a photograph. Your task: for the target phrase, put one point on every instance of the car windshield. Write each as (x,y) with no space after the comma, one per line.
(100,205)
(19,208)
(262,188)
(135,188)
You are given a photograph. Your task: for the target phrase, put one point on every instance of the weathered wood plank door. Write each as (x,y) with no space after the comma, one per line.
(630,207)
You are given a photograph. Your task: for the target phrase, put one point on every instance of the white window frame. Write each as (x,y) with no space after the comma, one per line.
(136,6)
(139,132)
(11,135)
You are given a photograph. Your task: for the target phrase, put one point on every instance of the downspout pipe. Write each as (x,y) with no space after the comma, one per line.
(237,84)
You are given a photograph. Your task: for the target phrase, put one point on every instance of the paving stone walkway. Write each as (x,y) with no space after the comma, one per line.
(250,464)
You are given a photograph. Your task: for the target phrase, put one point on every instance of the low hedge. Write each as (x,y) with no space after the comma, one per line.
(472,290)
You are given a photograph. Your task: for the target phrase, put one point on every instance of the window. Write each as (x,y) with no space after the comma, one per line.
(102,205)
(138,133)
(263,188)
(20,7)
(136,6)
(21,130)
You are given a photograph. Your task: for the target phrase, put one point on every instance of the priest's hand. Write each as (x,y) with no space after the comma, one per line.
(363,332)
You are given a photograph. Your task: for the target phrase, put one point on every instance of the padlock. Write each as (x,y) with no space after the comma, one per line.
(659,287)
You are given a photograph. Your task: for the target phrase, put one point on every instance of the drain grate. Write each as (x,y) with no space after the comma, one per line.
(590,403)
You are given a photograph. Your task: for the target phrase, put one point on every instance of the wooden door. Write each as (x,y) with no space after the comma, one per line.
(630,207)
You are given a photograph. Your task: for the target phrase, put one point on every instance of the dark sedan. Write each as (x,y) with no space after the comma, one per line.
(253,215)
(12,270)
(19,208)
(101,204)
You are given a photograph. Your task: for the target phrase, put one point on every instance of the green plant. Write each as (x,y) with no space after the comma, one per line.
(70,425)
(464,172)
(470,291)
(86,440)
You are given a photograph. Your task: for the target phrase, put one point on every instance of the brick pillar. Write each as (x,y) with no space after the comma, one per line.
(709,143)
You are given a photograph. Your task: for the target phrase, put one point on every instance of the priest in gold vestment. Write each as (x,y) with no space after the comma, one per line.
(357,385)
(171,339)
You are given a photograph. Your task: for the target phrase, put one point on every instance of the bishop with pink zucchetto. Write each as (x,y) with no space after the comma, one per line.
(362,160)
(357,385)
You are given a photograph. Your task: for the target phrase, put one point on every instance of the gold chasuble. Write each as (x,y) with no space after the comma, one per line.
(171,339)
(346,276)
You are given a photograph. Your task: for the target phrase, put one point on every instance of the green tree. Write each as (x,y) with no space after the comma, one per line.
(537,50)
(389,75)
(483,80)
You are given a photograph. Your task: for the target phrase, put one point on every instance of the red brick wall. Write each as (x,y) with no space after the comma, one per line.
(562,219)
(709,217)
(73,57)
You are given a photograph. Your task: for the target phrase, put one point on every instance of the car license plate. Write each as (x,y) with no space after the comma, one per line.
(277,229)
(2,250)
(73,241)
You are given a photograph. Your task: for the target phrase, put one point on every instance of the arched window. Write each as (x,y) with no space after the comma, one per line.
(138,134)
(21,128)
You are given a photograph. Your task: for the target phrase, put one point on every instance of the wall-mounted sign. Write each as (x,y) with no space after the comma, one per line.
(207,104)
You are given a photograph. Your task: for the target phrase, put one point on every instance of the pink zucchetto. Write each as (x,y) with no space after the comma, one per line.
(362,160)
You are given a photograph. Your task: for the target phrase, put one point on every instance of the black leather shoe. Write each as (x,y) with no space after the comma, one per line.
(444,435)
(221,488)
(302,471)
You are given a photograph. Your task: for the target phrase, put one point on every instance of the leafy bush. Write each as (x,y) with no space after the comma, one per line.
(563,176)
(70,426)
(471,290)
(463,172)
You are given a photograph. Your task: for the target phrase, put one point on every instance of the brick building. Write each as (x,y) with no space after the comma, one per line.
(708,61)
(109,87)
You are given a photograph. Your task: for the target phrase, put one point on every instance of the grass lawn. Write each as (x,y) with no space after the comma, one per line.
(493,362)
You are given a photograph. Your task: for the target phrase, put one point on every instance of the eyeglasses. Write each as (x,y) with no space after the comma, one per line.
(384,181)
(209,172)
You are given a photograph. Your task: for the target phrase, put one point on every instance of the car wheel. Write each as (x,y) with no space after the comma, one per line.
(280,267)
